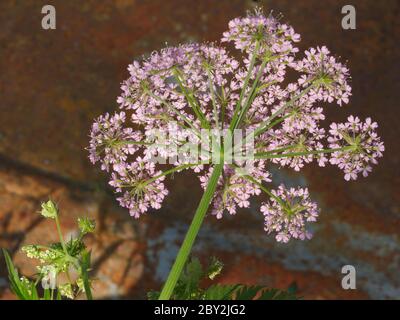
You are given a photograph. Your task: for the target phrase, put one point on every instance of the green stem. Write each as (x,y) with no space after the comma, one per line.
(246,82)
(190,237)
(172,170)
(214,103)
(191,100)
(124,142)
(84,267)
(262,128)
(276,150)
(61,236)
(271,125)
(224,102)
(252,94)
(177,112)
(259,184)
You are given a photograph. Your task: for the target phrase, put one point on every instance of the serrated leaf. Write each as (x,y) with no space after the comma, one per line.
(193,271)
(247,292)
(187,287)
(275,294)
(153,295)
(220,292)
(268,294)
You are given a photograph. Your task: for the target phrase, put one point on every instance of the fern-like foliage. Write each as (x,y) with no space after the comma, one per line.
(189,286)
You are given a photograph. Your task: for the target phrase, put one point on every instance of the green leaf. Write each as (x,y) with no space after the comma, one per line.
(23,290)
(192,273)
(85,266)
(263,293)
(153,295)
(188,286)
(275,294)
(188,283)
(220,292)
(75,247)
(268,294)
(13,277)
(34,293)
(247,292)
(46,294)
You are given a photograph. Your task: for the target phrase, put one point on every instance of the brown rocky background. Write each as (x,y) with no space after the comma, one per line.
(53,83)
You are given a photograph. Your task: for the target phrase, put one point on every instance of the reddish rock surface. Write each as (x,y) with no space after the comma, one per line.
(53,83)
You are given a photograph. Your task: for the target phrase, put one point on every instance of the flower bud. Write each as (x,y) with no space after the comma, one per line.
(49,209)
(86,225)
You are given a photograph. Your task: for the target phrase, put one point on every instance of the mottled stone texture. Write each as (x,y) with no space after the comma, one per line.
(53,83)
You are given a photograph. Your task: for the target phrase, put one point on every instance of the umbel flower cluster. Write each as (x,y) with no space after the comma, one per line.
(195,88)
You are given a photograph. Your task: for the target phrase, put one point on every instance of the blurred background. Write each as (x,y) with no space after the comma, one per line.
(54,82)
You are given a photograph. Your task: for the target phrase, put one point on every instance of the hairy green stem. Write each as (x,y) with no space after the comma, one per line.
(191,234)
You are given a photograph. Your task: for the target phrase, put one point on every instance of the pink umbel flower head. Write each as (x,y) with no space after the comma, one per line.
(363,146)
(287,213)
(181,107)
(110,142)
(272,36)
(140,185)
(330,76)
(234,190)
